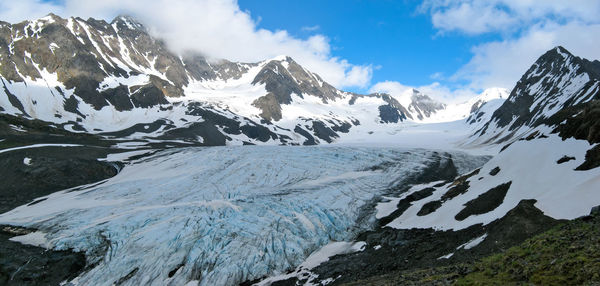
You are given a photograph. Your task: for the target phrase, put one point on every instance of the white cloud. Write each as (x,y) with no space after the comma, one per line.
(311,28)
(472,18)
(217,28)
(502,63)
(476,17)
(435,90)
(17,11)
(527,28)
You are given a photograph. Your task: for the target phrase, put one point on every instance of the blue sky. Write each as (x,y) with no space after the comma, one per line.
(393,36)
(449,49)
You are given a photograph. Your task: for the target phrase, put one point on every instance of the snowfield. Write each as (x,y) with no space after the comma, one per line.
(220,215)
(534,173)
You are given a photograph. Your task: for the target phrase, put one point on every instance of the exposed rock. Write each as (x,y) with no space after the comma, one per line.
(30,265)
(485,202)
(495,171)
(424,106)
(565,159)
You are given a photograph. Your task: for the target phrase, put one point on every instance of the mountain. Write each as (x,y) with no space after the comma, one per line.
(107,196)
(422,106)
(437,230)
(114,79)
(472,110)
(556,81)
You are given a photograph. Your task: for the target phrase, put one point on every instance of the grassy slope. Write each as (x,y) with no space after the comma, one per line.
(568,254)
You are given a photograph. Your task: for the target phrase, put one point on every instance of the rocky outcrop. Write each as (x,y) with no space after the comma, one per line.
(423,106)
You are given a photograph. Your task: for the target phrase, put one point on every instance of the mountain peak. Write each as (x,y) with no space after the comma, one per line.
(128,21)
(557,53)
(557,80)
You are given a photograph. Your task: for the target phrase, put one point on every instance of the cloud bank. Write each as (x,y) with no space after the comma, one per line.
(528,28)
(216,28)
(525,28)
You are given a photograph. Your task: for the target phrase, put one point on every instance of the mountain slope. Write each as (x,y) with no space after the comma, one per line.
(557,80)
(549,173)
(116,79)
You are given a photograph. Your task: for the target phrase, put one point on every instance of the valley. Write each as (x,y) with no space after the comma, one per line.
(124,163)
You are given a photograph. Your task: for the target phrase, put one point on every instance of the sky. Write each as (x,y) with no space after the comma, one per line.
(449,49)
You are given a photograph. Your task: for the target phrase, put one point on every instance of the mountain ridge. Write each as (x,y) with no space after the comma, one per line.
(99,77)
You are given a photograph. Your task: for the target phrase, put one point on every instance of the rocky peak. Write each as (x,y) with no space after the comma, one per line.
(124,23)
(283,77)
(557,80)
(422,106)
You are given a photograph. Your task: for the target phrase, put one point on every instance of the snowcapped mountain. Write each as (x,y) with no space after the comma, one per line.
(111,107)
(114,78)
(491,97)
(556,81)
(422,106)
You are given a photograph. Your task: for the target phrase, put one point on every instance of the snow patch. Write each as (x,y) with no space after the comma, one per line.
(36,238)
(473,242)
(330,250)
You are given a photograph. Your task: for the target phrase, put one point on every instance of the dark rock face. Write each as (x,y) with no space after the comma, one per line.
(485,202)
(459,186)
(421,248)
(310,140)
(13,99)
(581,122)
(324,132)
(389,114)
(565,159)
(30,265)
(215,127)
(405,203)
(495,171)
(592,159)
(80,62)
(271,108)
(50,169)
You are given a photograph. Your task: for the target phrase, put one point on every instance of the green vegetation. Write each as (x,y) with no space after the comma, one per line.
(565,255)
(568,254)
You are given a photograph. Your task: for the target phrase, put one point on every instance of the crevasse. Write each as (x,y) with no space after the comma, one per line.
(219,215)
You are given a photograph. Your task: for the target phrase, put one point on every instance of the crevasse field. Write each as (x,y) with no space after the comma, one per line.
(221,215)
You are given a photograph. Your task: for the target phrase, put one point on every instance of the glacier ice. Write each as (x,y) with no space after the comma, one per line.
(220,215)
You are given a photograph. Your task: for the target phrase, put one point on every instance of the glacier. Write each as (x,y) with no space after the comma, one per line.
(222,215)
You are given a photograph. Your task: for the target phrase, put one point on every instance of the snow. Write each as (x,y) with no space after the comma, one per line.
(438,136)
(560,191)
(229,214)
(38,146)
(462,110)
(386,208)
(124,156)
(390,204)
(446,256)
(330,250)
(474,242)
(36,238)
(17,128)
